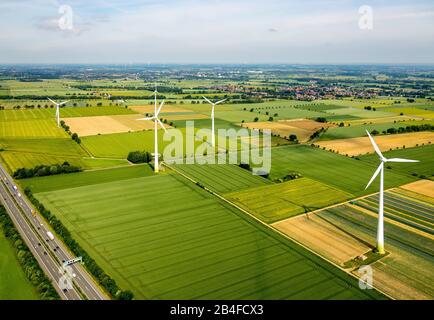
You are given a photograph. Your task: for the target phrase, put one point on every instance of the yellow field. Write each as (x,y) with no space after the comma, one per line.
(362,145)
(322,237)
(89,126)
(302,128)
(403,119)
(424,187)
(150,109)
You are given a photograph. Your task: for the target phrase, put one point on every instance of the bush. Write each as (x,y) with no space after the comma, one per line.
(139,157)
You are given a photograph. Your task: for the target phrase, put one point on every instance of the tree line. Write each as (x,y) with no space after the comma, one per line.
(45,170)
(103,278)
(413,128)
(30,266)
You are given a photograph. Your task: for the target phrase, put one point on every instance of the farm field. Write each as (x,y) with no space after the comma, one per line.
(303,129)
(89,126)
(216,176)
(417,112)
(424,187)
(322,166)
(17,160)
(192,247)
(354,131)
(362,145)
(359,113)
(403,209)
(14,284)
(65,112)
(423,168)
(31,128)
(348,231)
(239,116)
(87,178)
(282,200)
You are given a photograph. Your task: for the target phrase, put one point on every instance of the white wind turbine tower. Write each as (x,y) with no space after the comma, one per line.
(156,120)
(380,170)
(57,110)
(212,118)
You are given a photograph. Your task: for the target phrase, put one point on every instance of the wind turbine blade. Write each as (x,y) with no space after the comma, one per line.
(52,101)
(221,101)
(401,160)
(377,150)
(159,109)
(63,102)
(375,175)
(161,124)
(207,100)
(145,119)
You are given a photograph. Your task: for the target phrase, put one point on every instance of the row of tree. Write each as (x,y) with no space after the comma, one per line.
(30,266)
(74,136)
(104,279)
(45,170)
(413,128)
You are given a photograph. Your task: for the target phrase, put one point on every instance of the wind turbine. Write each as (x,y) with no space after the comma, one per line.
(58,110)
(380,170)
(212,118)
(156,120)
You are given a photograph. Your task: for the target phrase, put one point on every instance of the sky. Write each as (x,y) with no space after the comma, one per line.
(211,31)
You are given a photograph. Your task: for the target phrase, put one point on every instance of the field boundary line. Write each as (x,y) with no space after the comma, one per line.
(272,228)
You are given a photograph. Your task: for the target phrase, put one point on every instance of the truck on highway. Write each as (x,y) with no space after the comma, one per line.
(50,235)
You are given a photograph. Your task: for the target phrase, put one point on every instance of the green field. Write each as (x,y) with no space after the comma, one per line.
(283,200)
(360,130)
(67,181)
(425,154)
(66,112)
(13,282)
(347,174)
(31,128)
(164,238)
(216,177)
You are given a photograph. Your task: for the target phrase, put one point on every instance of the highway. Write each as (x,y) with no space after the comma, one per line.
(50,253)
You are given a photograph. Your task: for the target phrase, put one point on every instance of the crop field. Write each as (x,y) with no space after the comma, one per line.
(89,126)
(303,129)
(17,160)
(239,116)
(14,284)
(279,201)
(422,187)
(405,120)
(404,274)
(118,145)
(418,112)
(404,209)
(216,176)
(64,146)
(86,178)
(190,247)
(149,108)
(30,114)
(354,131)
(360,113)
(425,166)
(31,128)
(345,173)
(362,145)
